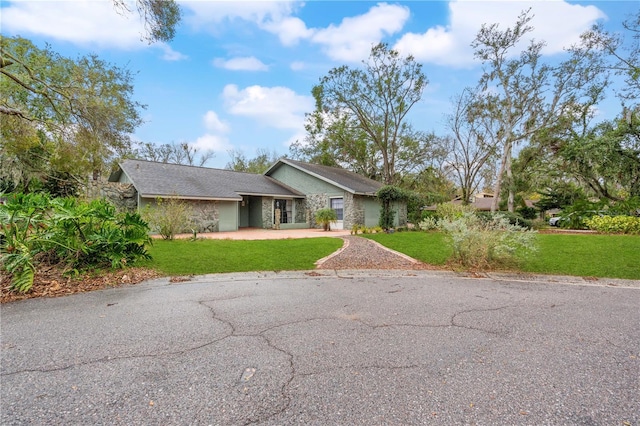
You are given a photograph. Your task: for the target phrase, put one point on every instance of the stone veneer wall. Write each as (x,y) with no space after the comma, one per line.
(314,203)
(122,195)
(205,215)
(267,212)
(353,210)
(299,206)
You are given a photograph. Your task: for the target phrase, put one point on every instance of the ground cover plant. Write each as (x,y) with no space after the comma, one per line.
(611,256)
(39,231)
(183,257)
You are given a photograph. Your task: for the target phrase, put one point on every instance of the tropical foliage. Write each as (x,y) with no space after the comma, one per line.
(74,234)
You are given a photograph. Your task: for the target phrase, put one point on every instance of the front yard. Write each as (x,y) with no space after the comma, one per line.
(611,256)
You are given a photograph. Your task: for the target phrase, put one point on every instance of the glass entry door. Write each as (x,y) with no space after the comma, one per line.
(285,206)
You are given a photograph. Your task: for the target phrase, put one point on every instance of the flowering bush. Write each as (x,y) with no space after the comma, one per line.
(614,224)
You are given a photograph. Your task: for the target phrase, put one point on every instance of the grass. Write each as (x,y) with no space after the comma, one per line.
(183,257)
(428,247)
(611,256)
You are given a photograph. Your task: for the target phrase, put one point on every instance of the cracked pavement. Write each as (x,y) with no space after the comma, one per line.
(346,347)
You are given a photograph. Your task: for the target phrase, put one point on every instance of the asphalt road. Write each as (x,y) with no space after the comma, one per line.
(368,348)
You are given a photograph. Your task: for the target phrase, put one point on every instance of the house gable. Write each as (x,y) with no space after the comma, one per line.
(340,178)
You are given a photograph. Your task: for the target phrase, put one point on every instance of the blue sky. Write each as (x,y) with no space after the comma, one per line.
(238,74)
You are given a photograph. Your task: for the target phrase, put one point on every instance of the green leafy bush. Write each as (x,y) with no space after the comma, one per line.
(614,224)
(326,217)
(387,195)
(40,230)
(480,243)
(574,216)
(169,217)
(529,213)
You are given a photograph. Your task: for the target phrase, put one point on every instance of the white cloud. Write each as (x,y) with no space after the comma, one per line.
(248,63)
(207,14)
(171,55)
(213,139)
(278,107)
(352,39)
(557,22)
(213,123)
(297,137)
(84,22)
(210,142)
(297,66)
(290,30)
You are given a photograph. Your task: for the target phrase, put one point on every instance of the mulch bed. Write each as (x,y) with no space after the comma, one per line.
(566,231)
(53,282)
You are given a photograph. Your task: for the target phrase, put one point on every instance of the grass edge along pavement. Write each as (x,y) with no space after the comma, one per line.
(184,257)
(603,256)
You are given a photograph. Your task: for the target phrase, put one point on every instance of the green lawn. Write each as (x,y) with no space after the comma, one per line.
(183,257)
(429,247)
(612,256)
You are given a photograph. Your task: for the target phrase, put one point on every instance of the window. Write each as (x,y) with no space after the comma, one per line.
(337,205)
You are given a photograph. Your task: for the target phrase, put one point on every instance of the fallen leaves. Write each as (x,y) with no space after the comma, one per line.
(52,282)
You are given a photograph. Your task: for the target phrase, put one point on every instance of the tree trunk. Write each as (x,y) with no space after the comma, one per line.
(504,163)
(510,200)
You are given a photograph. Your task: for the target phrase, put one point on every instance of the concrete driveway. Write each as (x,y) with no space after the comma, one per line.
(326,348)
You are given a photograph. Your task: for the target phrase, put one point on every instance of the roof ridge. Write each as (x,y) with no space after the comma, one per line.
(190,165)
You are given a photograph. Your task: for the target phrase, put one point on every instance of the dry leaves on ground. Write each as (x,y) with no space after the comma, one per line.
(51,282)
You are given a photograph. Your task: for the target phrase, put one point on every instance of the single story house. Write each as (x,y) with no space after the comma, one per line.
(286,196)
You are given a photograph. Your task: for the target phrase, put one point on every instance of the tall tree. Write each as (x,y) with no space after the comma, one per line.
(523,96)
(471,147)
(174,153)
(160,17)
(361,115)
(62,116)
(623,50)
(258,164)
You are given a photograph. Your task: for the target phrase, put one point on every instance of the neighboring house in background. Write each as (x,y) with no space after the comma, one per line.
(226,200)
(481,202)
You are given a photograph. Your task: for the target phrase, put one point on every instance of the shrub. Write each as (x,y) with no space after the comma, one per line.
(429,223)
(169,217)
(40,230)
(527,212)
(479,243)
(513,218)
(389,194)
(574,216)
(614,224)
(326,217)
(449,211)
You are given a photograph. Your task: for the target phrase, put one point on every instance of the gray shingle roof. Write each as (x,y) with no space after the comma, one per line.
(345,179)
(153,179)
